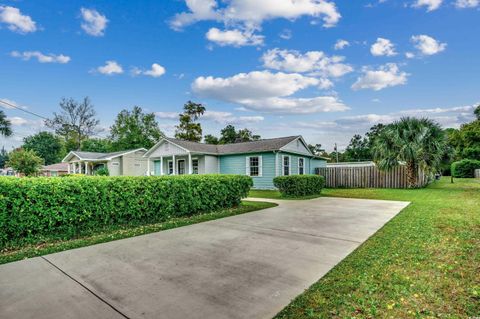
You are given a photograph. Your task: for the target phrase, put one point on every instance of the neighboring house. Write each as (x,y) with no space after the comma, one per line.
(124,163)
(57,169)
(262,160)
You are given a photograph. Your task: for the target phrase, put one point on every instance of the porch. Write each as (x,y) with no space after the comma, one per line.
(85,167)
(174,165)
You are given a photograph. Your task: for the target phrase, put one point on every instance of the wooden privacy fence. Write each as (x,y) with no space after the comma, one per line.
(368,177)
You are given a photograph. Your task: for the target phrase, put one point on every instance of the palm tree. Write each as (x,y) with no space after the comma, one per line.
(419,143)
(5,125)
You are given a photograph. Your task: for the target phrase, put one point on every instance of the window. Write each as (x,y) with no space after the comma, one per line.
(195,166)
(286,165)
(254,170)
(170,167)
(301,166)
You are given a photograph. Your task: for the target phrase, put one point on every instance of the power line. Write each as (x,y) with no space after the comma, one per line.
(22,109)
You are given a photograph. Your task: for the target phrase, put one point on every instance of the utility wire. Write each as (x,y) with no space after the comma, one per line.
(21,109)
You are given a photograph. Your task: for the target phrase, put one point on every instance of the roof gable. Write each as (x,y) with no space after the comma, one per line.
(95,156)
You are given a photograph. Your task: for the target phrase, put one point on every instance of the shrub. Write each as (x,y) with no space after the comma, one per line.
(465,168)
(63,208)
(102,171)
(299,185)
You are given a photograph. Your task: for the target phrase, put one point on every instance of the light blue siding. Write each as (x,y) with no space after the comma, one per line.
(310,163)
(236,164)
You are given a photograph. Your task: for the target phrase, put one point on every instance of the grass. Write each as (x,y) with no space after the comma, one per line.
(120,232)
(425,263)
(274,194)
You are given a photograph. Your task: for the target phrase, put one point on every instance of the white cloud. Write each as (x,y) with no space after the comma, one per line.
(383,47)
(167,115)
(234,37)
(94,23)
(341,44)
(387,75)
(155,71)
(286,34)
(110,68)
(16,21)
(462,4)
(216,116)
(409,55)
(20,121)
(427,45)
(42,58)
(430,4)
(251,13)
(312,61)
(267,92)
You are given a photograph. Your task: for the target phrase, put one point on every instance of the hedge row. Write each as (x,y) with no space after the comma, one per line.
(465,168)
(299,185)
(35,208)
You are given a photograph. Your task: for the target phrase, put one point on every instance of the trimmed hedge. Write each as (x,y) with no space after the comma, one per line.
(299,185)
(36,208)
(465,168)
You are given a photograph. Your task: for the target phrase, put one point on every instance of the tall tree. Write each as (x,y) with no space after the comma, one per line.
(134,129)
(420,143)
(100,145)
(228,135)
(76,122)
(25,161)
(46,145)
(3,157)
(189,129)
(210,139)
(245,135)
(358,149)
(477,112)
(5,125)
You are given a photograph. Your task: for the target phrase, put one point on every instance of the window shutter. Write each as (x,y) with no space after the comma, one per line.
(260,166)
(247,166)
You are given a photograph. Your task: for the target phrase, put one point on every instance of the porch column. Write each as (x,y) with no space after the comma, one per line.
(190,168)
(68,168)
(174,165)
(148,166)
(86,168)
(161,165)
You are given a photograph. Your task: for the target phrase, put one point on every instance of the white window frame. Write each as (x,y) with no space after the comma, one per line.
(303,166)
(198,165)
(184,166)
(289,165)
(260,166)
(168,167)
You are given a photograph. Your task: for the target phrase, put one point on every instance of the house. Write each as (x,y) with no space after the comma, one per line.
(124,163)
(262,160)
(57,169)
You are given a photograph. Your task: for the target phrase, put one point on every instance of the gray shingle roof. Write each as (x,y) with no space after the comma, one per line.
(99,156)
(265,145)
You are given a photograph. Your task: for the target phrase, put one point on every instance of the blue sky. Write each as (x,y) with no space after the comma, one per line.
(322,69)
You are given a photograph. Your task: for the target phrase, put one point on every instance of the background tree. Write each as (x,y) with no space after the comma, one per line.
(75,123)
(3,157)
(49,147)
(466,141)
(189,129)
(25,161)
(477,112)
(358,149)
(420,143)
(210,139)
(100,145)
(5,125)
(134,129)
(230,135)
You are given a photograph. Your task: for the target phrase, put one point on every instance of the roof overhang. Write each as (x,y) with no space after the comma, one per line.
(163,139)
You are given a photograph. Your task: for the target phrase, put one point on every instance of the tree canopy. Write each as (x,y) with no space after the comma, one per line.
(134,129)
(189,129)
(46,145)
(25,161)
(99,145)
(76,122)
(3,157)
(420,143)
(5,125)
(229,135)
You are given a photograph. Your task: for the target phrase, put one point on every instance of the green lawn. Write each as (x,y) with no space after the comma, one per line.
(425,263)
(273,194)
(119,232)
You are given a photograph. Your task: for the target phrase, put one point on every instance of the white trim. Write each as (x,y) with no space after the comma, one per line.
(304,144)
(100,159)
(248,171)
(184,166)
(298,165)
(125,153)
(289,165)
(154,147)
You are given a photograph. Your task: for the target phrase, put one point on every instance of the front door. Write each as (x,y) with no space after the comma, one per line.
(181,167)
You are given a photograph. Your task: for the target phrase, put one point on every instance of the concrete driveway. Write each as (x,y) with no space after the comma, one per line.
(246,266)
